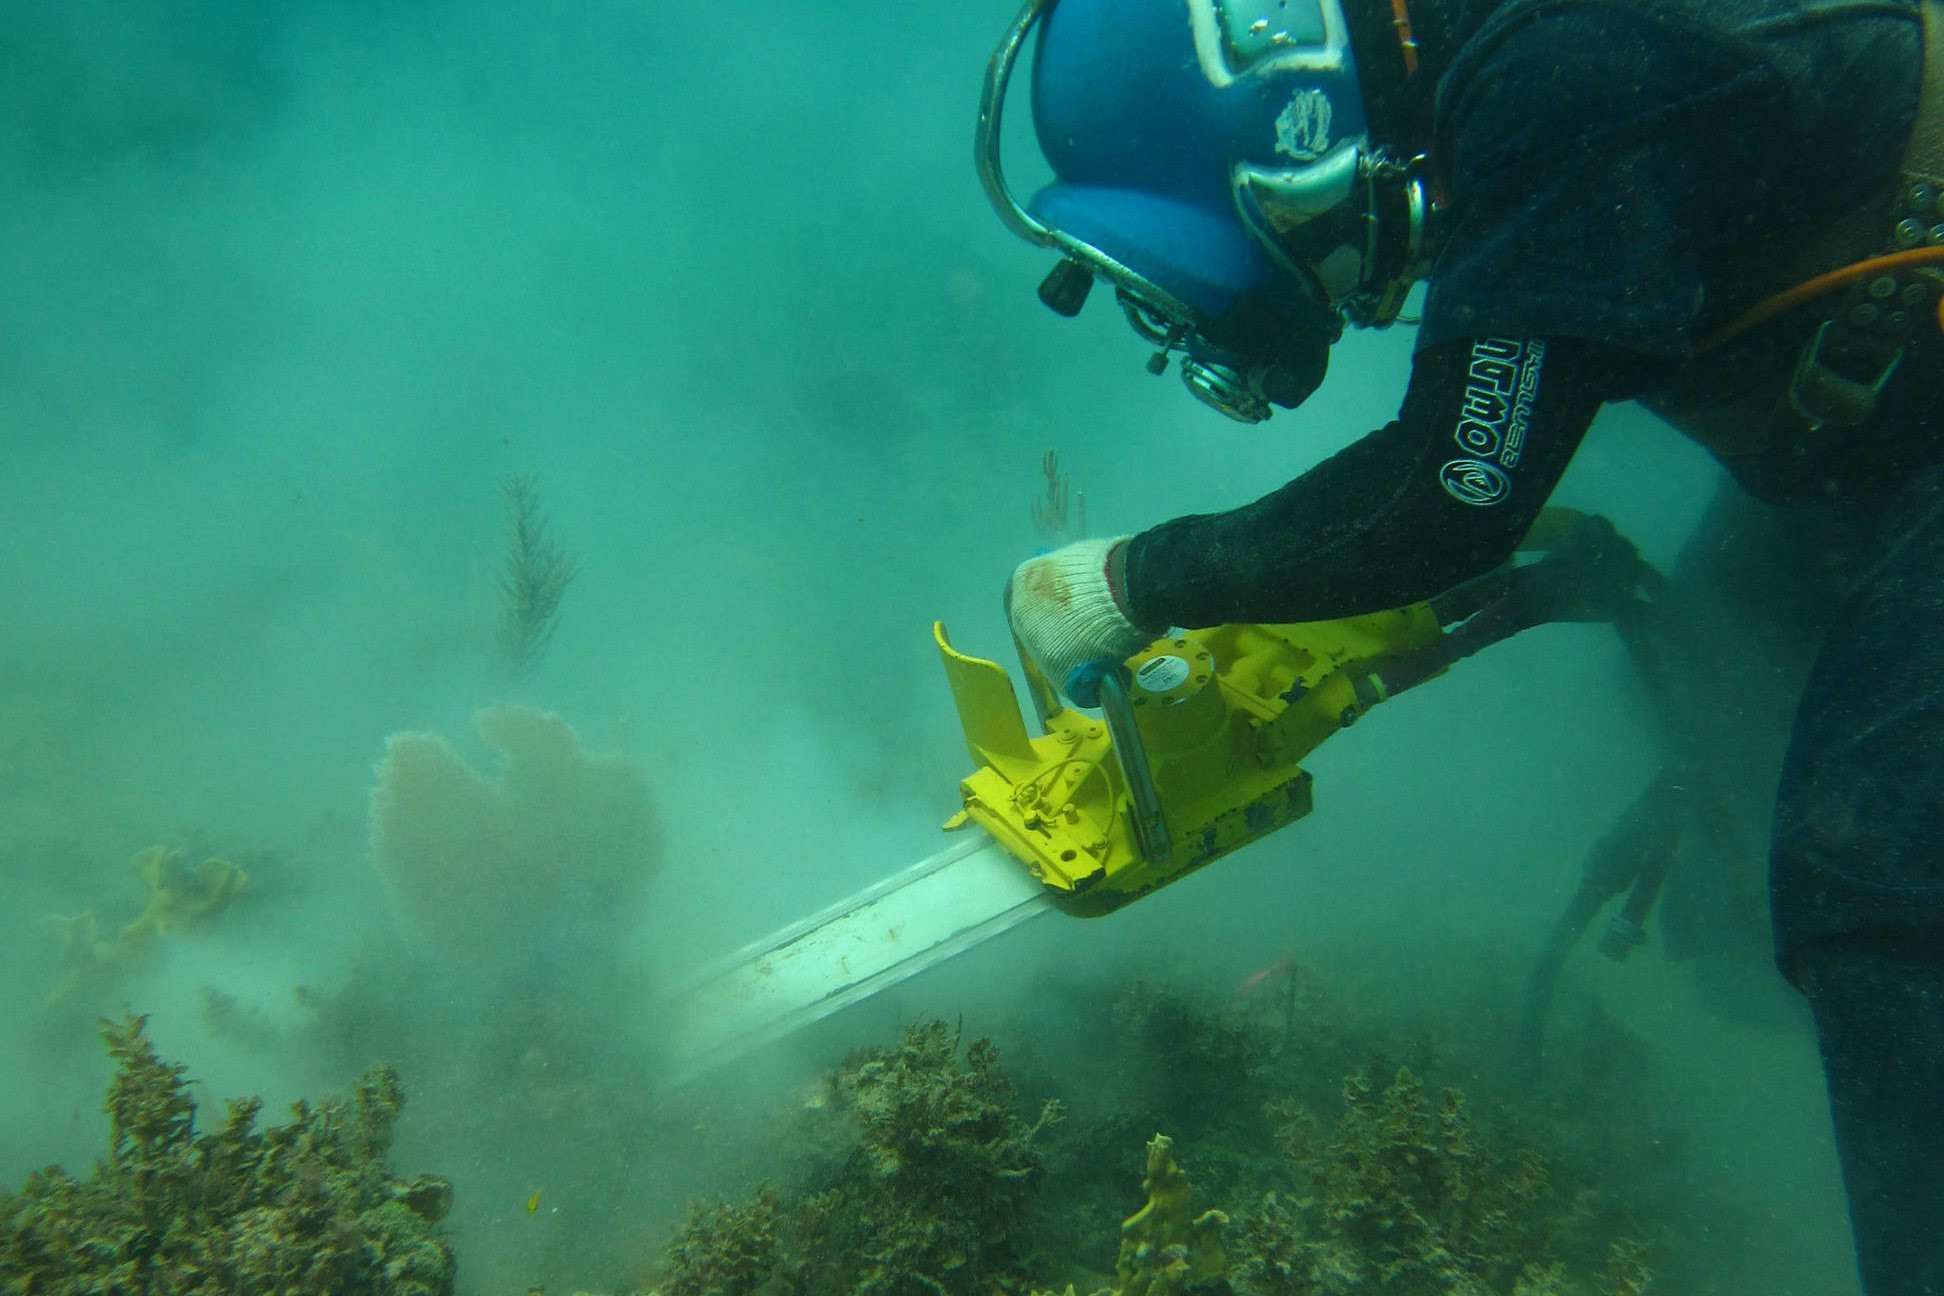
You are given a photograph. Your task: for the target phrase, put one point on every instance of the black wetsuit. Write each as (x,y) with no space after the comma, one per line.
(1622,178)
(1616,171)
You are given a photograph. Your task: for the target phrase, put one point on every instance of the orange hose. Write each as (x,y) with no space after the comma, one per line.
(1406,38)
(1824,283)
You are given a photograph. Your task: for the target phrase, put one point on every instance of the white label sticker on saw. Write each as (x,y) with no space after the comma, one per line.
(1162,674)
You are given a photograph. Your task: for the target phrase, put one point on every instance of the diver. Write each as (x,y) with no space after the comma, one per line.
(1731,211)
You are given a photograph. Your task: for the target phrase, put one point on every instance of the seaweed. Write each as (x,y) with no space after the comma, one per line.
(1054,517)
(1325,1177)
(1407,1199)
(727,1249)
(1252,1083)
(933,1194)
(307,1206)
(533,578)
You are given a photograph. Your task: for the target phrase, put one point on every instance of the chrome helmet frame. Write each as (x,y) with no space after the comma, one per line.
(1351,229)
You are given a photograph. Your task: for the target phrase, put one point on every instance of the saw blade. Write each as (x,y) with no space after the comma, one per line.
(915,919)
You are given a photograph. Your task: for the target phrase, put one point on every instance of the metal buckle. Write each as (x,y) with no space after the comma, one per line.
(1823,396)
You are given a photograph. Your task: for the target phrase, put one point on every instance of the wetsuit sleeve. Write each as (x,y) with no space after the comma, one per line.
(1444,493)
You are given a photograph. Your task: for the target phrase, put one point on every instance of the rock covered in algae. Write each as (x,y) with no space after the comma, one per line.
(311,1206)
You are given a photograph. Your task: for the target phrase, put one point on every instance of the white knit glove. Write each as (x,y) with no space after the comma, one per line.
(1067,614)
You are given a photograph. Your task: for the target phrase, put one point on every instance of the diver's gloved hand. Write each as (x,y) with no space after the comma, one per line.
(1071,617)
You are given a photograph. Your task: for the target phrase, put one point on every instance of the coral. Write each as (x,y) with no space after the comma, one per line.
(533,579)
(1165,1246)
(550,855)
(308,1206)
(180,902)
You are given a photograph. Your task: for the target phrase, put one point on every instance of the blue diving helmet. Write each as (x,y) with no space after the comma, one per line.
(1218,163)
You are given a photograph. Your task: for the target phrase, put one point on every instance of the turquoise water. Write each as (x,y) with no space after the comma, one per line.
(289,293)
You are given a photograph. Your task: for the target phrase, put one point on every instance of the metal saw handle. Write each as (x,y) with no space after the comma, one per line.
(1144,800)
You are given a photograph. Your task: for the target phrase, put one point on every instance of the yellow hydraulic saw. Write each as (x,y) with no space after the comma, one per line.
(1194,752)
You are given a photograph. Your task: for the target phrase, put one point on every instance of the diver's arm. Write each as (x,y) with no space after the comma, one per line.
(1442,494)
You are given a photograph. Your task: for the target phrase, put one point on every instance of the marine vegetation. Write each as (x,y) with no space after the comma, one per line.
(1225,1069)
(179,901)
(533,578)
(1054,517)
(311,1206)
(931,1194)
(531,1084)
(511,989)
(941,1186)
(1405,1198)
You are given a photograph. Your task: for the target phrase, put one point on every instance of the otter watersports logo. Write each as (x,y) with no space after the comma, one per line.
(1303,126)
(1500,387)
(1473,481)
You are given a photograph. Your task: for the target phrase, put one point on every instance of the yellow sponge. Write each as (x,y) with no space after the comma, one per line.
(180,902)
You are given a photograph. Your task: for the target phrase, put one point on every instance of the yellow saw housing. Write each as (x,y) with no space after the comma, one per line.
(1213,724)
